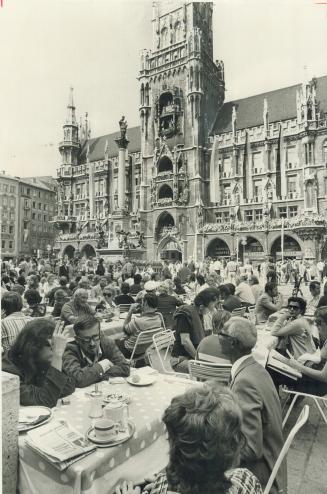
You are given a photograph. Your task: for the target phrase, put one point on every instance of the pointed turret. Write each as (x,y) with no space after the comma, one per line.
(70,145)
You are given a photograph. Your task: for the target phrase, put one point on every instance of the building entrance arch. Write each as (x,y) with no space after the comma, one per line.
(88,251)
(217,248)
(250,248)
(69,251)
(292,248)
(170,250)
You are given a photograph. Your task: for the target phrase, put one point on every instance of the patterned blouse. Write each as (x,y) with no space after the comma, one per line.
(243,482)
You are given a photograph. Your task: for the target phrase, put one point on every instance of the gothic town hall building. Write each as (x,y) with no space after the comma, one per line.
(200,176)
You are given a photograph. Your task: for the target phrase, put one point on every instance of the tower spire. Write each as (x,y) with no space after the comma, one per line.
(71,117)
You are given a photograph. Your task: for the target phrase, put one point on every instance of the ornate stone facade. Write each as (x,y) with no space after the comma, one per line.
(200,176)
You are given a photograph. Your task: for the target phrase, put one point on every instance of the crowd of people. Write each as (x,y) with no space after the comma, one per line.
(221,440)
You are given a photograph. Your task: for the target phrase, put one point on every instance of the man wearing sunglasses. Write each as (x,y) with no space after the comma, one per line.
(93,357)
(293,330)
(259,402)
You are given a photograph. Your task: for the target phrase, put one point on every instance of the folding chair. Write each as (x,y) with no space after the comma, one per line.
(124,307)
(240,312)
(143,341)
(303,417)
(316,399)
(161,341)
(203,371)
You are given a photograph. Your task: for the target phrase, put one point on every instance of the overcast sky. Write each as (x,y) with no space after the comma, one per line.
(94,46)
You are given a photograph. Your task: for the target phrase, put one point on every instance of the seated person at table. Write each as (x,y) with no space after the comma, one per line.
(259,402)
(323,300)
(268,303)
(205,439)
(107,304)
(124,298)
(209,348)
(60,299)
(313,301)
(230,301)
(62,286)
(148,319)
(314,375)
(255,287)
(93,357)
(293,330)
(244,292)
(136,287)
(36,357)
(189,328)
(13,319)
(179,289)
(77,308)
(201,283)
(167,303)
(33,299)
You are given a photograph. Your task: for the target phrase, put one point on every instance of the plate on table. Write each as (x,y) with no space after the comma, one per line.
(121,438)
(31,417)
(145,380)
(122,397)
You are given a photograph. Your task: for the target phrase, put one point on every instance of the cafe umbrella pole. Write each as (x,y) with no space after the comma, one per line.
(282,239)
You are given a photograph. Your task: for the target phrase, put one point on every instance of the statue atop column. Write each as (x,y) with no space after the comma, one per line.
(123,127)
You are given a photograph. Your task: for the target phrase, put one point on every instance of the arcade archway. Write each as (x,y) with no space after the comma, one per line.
(88,251)
(165,192)
(69,251)
(251,248)
(165,222)
(218,248)
(291,248)
(170,250)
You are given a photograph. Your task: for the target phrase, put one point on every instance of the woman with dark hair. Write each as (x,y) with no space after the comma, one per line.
(205,440)
(35,308)
(36,357)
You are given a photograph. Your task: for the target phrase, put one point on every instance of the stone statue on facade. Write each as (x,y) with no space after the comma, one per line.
(123,127)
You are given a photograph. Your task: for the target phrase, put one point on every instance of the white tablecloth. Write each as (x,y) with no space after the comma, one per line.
(144,454)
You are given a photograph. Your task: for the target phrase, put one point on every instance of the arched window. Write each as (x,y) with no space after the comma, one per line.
(142,94)
(165,192)
(165,165)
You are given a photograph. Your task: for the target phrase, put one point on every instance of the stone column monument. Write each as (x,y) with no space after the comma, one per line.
(122,143)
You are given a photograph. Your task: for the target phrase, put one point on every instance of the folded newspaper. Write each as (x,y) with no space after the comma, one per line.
(59,443)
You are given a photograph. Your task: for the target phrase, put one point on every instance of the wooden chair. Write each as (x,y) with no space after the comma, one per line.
(303,417)
(203,371)
(252,314)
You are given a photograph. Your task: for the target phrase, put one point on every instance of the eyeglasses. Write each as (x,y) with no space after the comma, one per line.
(107,294)
(293,307)
(94,338)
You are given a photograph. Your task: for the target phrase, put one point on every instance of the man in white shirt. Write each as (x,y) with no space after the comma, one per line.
(320,269)
(244,292)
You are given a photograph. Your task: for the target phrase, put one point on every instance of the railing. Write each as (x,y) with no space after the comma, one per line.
(63,218)
(166,231)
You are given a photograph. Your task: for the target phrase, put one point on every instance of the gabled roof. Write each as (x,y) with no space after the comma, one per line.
(97,145)
(43,182)
(281,106)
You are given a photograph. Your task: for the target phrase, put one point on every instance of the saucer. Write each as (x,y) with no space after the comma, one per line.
(144,380)
(121,437)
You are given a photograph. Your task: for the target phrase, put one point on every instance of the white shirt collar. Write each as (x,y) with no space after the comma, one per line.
(237,364)
(96,357)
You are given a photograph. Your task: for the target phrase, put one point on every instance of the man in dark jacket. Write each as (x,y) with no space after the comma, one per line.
(259,402)
(189,328)
(93,357)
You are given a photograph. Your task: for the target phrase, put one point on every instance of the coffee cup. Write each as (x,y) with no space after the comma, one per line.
(105,429)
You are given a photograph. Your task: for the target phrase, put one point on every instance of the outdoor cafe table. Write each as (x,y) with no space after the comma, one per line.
(98,473)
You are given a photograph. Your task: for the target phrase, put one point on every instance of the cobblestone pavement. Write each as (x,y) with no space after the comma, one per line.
(307,457)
